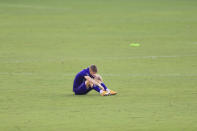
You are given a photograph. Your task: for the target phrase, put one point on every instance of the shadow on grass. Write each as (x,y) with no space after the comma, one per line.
(85,95)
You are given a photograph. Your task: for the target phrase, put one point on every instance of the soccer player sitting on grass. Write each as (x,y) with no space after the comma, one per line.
(88,79)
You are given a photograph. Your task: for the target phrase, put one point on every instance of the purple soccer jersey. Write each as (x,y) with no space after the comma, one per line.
(80,78)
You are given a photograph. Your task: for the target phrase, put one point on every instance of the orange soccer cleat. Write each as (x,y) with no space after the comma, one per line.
(105,93)
(113,92)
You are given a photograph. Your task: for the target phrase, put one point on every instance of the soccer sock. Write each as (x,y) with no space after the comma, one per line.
(105,87)
(96,88)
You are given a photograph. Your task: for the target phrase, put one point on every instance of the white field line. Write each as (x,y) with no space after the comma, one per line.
(34,7)
(15,73)
(150,57)
(129,57)
(151,75)
(94,58)
(105,74)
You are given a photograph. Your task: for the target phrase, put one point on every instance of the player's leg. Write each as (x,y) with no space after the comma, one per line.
(82,89)
(99,79)
(96,88)
(91,85)
(87,86)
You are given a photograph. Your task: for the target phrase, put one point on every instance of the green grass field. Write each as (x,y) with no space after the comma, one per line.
(44,43)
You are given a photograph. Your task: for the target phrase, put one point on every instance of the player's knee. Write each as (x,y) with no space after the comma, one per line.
(97,80)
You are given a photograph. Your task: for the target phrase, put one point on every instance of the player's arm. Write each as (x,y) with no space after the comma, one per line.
(94,82)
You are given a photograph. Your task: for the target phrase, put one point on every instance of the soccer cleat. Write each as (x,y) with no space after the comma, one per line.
(104,93)
(113,92)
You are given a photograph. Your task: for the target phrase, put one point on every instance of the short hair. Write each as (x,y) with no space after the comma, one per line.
(93,68)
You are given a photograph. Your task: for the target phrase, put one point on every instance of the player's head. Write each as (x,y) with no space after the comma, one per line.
(93,69)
